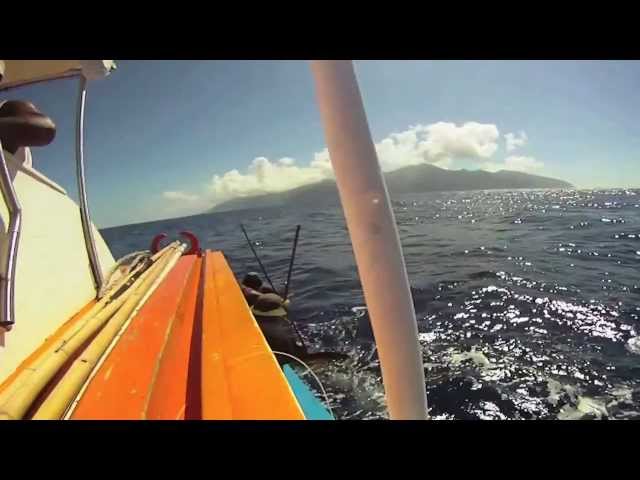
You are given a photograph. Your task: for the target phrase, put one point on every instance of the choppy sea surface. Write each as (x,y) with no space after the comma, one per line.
(527,301)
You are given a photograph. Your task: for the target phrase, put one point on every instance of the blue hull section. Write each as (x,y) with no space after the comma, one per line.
(312,407)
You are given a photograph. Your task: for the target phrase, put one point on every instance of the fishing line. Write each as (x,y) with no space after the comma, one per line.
(255,254)
(286,287)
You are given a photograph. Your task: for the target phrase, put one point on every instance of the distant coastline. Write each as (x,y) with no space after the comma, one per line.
(413,179)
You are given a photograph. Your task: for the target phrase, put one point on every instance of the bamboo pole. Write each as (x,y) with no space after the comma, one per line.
(79,325)
(16,400)
(41,414)
(68,387)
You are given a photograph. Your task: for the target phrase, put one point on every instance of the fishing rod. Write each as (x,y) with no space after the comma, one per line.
(286,287)
(255,254)
(293,256)
(312,356)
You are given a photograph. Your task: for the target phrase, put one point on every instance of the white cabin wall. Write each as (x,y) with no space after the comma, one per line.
(53,274)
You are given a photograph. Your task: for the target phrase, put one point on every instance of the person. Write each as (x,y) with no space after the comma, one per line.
(252,280)
(250,285)
(272,317)
(271,313)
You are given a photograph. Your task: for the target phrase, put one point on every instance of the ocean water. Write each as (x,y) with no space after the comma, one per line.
(527,301)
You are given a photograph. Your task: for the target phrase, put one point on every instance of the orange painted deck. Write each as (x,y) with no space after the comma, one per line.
(236,356)
(193,351)
(170,394)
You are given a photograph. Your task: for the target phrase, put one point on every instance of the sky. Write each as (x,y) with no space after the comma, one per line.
(173,138)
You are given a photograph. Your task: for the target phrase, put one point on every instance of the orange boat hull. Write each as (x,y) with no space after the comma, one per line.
(193,351)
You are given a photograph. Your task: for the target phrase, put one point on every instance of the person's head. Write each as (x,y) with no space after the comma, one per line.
(252,280)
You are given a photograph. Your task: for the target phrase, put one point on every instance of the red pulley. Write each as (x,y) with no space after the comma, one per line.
(195,244)
(194,248)
(155,243)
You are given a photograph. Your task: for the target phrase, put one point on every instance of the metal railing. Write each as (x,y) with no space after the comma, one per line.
(82,193)
(9,248)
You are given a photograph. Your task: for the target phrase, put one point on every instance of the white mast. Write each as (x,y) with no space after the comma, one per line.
(374,238)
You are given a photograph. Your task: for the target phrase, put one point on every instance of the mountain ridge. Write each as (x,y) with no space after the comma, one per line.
(412,179)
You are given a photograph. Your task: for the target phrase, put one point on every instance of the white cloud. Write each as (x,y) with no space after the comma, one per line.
(177,203)
(514,163)
(446,140)
(181,196)
(265,176)
(437,144)
(523,164)
(515,141)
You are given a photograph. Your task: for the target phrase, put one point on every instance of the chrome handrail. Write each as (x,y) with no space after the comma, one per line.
(9,248)
(84,205)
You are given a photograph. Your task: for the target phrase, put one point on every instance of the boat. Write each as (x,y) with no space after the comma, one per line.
(167,333)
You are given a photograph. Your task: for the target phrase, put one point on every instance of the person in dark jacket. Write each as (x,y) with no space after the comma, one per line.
(271,312)
(272,317)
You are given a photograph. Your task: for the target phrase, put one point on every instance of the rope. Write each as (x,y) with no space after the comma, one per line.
(308,369)
(129,262)
(165,271)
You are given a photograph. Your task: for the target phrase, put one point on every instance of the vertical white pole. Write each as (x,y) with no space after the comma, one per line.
(374,238)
